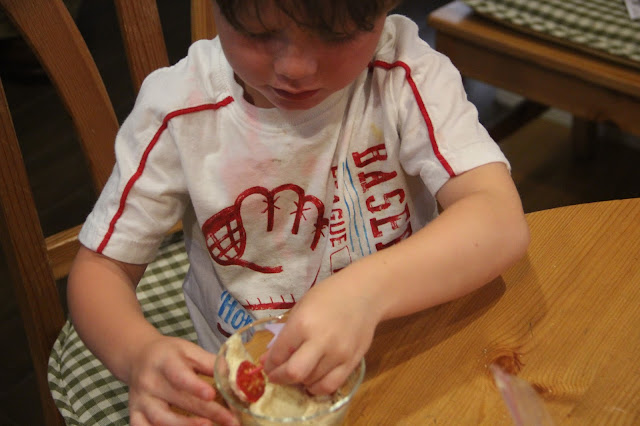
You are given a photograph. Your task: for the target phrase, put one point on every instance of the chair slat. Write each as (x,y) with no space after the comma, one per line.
(34,286)
(62,248)
(143,38)
(202,23)
(49,29)
(36,262)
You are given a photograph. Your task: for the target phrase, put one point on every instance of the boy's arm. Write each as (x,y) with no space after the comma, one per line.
(159,370)
(105,310)
(480,233)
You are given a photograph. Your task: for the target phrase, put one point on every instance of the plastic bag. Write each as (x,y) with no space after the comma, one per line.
(524,404)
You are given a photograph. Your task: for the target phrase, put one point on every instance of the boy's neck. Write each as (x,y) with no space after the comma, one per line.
(258,100)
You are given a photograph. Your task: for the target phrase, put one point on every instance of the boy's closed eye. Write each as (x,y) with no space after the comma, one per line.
(340,38)
(329,38)
(262,36)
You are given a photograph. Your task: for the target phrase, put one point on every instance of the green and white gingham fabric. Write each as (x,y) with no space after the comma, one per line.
(601,26)
(84,390)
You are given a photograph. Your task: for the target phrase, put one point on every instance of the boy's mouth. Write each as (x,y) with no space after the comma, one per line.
(295,96)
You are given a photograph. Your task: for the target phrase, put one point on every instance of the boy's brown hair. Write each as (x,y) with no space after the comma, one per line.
(327,17)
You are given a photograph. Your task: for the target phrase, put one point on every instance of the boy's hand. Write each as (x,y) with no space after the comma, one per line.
(165,374)
(325,337)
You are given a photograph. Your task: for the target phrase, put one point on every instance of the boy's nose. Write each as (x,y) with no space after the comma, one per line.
(295,62)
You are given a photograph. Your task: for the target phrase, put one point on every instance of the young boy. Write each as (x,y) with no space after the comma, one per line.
(306,150)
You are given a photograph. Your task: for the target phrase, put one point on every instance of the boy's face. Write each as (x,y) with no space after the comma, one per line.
(285,66)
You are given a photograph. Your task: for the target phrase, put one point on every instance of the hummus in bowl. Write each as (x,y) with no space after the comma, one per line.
(277,404)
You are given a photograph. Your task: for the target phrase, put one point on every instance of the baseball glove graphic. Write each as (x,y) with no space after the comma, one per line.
(226,234)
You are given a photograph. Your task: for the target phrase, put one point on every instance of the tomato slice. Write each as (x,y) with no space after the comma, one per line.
(250,380)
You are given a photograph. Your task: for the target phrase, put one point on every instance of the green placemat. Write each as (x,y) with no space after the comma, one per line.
(85,392)
(598,26)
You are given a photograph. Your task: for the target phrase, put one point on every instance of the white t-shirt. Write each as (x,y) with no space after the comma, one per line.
(274,201)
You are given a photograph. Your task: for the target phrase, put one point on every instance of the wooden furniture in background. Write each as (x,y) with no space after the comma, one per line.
(35,260)
(565,318)
(589,87)
(202,24)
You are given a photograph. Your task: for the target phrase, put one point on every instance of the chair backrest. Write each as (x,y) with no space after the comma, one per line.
(36,260)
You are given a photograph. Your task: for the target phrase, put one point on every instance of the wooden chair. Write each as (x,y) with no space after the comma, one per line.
(36,260)
(592,87)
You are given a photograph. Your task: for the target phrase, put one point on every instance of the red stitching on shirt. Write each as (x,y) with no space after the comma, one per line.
(143,161)
(260,306)
(423,109)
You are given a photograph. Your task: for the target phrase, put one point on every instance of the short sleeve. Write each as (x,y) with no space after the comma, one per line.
(145,194)
(441,135)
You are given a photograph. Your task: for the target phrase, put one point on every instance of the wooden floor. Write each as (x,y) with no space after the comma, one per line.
(544,168)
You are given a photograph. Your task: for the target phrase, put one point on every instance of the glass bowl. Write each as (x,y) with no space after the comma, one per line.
(255,338)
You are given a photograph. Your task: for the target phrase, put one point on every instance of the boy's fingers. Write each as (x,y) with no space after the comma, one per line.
(192,372)
(201,360)
(298,367)
(138,419)
(172,406)
(170,400)
(154,411)
(187,381)
(285,345)
(324,367)
(189,406)
(330,382)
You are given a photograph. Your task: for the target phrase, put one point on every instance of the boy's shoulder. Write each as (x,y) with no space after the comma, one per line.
(195,79)
(401,41)
(402,54)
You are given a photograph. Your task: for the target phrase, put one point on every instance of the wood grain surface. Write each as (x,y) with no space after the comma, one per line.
(565,318)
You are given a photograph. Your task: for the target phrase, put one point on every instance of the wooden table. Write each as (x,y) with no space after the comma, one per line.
(566,318)
(588,86)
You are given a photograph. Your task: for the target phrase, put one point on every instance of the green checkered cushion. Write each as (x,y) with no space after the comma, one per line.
(600,26)
(84,390)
